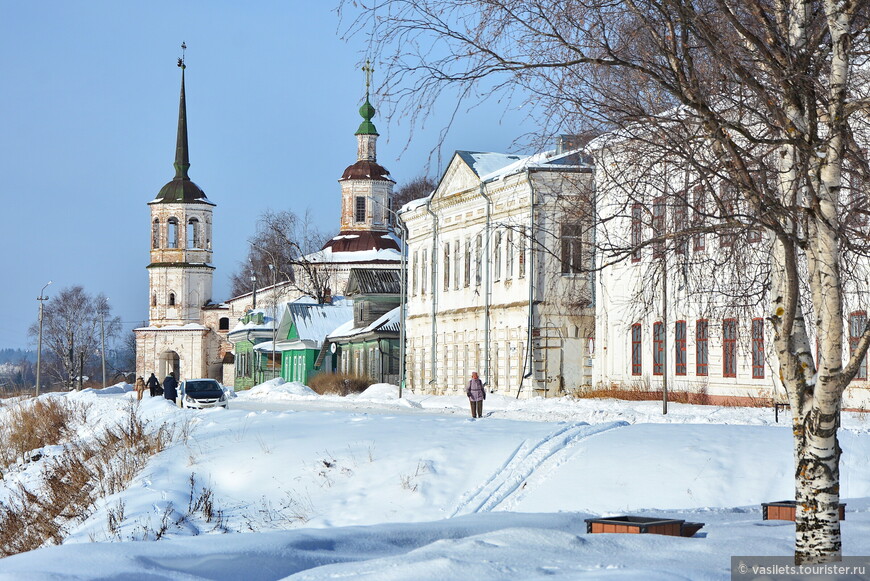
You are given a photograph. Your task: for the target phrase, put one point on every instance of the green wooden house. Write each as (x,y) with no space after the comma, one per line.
(302,332)
(254,365)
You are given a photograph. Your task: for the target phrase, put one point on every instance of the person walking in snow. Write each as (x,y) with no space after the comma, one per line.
(153,384)
(169,385)
(140,388)
(476,394)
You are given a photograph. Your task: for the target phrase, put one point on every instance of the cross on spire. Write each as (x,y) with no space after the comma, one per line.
(181,60)
(369,69)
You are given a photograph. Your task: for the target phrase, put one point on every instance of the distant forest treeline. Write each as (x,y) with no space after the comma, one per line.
(16,355)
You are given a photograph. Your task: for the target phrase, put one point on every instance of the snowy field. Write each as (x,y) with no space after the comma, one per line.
(369,486)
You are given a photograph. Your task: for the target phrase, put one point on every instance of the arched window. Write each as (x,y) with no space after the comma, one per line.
(155,234)
(193,233)
(172,233)
(154,300)
(224,324)
(171,299)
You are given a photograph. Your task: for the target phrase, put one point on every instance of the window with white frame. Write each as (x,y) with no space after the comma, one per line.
(496,257)
(572,248)
(446,266)
(478,259)
(456,264)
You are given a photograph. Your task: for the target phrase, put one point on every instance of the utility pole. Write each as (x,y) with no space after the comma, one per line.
(40,298)
(103,337)
(274,315)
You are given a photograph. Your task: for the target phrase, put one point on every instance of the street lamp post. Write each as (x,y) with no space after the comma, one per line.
(40,298)
(254,284)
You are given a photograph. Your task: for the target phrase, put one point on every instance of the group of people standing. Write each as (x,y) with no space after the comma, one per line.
(169,389)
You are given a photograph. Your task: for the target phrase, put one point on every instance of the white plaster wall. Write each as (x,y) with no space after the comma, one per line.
(459,322)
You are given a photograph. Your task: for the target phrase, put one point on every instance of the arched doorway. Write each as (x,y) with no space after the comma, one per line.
(168,361)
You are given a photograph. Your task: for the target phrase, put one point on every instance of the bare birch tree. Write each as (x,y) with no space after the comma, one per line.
(763,103)
(71,333)
(280,253)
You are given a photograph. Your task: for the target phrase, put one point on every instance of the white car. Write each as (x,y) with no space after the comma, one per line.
(202,393)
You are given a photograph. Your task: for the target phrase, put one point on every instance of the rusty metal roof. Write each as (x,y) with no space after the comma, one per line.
(360,240)
(365,169)
(381,281)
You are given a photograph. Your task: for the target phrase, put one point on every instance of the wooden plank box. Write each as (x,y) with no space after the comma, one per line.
(642,525)
(785,510)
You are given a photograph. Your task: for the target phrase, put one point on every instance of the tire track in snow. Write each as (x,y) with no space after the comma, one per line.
(528,458)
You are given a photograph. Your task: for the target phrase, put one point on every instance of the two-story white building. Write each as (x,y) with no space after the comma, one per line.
(494,282)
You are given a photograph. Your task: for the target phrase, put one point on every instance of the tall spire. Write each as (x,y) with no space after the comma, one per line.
(181,189)
(182,160)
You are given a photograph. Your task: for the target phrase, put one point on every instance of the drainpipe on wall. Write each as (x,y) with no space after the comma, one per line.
(487,288)
(434,289)
(530,273)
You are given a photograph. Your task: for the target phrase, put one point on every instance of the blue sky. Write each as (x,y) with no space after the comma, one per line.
(89,106)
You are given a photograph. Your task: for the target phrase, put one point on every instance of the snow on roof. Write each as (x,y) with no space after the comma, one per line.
(253,325)
(483,163)
(389,321)
(314,322)
(545,159)
(328,256)
(414,204)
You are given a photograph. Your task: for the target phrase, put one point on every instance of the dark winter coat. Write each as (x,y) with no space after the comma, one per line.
(475,390)
(152,382)
(169,385)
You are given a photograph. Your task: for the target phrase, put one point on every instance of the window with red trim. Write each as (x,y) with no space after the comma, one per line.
(659,218)
(680,348)
(636,231)
(702,353)
(658,348)
(757,348)
(729,347)
(681,224)
(698,218)
(857,323)
(636,350)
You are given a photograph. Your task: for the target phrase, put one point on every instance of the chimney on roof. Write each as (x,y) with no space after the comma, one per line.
(566,143)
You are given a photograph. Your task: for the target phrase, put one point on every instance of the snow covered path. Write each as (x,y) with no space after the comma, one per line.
(529,459)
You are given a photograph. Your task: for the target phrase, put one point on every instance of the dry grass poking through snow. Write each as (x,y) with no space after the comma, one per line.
(72,481)
(639,391)
(338,383)
(30,424)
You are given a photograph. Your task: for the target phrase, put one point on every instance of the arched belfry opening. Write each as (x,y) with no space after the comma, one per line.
(193,233)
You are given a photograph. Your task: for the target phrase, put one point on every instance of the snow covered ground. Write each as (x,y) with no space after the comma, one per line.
(375,487)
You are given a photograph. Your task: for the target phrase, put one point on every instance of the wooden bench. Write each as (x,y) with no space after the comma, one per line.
(786,509)
(642,525)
